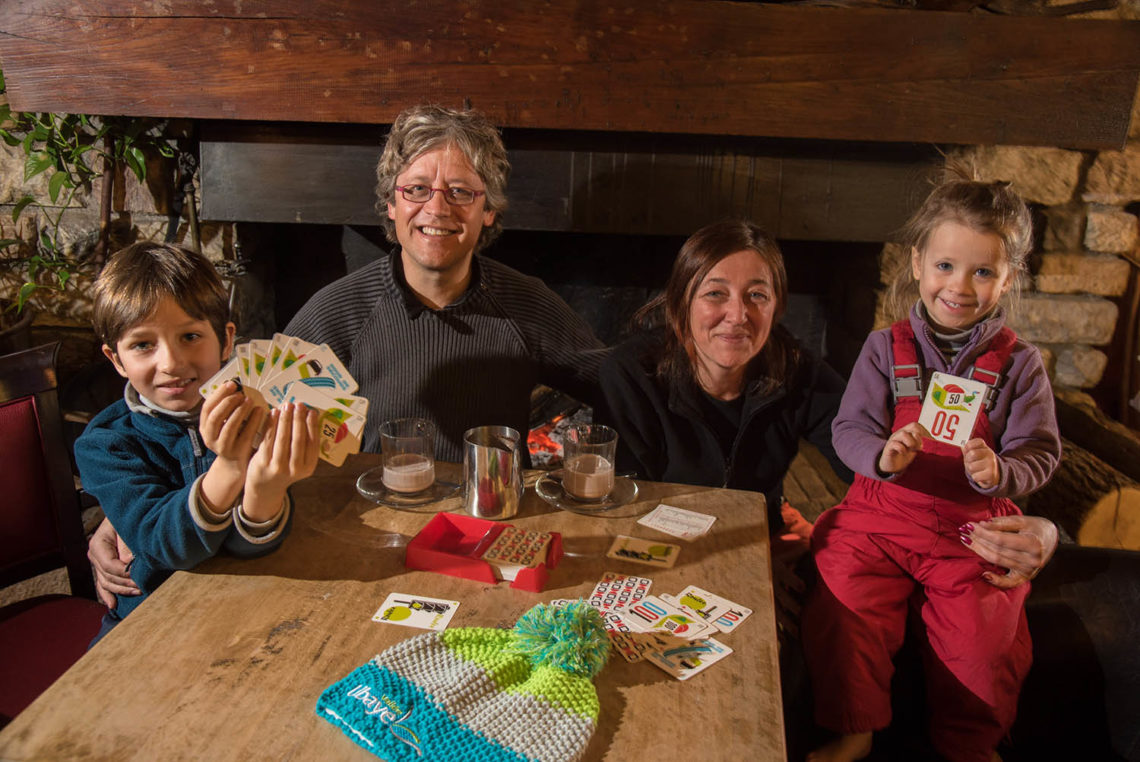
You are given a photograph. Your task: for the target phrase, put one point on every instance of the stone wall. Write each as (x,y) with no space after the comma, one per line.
(1085,254)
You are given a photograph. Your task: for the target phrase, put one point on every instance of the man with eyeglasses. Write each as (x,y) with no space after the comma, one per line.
(433,330)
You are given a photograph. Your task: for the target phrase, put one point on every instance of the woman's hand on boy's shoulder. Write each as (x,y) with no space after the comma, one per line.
(287,454)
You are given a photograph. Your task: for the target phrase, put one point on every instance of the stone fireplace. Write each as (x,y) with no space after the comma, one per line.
(628,128)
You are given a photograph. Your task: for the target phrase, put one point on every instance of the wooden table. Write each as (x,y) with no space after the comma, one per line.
(227,661)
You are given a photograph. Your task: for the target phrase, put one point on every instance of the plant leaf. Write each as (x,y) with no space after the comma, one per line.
(36,163)
(20,205)
(136,160)
(57,181)
(26,291)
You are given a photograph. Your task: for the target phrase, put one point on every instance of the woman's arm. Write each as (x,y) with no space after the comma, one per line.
(630,401)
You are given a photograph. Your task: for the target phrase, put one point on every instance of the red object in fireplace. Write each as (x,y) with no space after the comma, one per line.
(543,449)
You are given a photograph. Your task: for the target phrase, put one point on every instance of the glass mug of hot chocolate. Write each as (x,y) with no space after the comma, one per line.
(588,461)
(408,451)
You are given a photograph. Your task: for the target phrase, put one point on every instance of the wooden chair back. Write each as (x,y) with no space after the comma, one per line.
(40,519)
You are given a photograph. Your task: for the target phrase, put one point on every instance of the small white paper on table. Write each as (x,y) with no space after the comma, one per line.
(951,407)
(678,522)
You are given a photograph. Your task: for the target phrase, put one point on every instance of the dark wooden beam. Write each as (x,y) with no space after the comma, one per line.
(590,183)
(679,66)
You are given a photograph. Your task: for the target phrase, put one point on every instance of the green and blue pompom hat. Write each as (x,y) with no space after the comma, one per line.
(479,693)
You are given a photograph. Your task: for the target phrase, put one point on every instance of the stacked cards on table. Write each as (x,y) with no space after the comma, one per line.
(286,369)
(674,632)
(516,549)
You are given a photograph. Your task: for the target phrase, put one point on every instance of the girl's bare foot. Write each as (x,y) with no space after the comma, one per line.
(846,748)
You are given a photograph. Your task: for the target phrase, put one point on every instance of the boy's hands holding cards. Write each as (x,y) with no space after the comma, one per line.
(281,371)
(287,454)
(230,424)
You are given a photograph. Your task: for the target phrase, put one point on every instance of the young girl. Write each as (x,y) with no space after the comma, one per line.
(900,538)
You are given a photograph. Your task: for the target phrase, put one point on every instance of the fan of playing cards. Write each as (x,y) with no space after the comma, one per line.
(286,369)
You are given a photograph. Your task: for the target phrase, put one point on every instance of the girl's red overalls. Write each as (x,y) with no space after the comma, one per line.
(894,546)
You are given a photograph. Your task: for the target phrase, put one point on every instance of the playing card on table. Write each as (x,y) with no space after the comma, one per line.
(639,551)
(652,614)
(687,525)
(416,611)
(951,407)
(521,547)
(615,591)
(627,642)
(720,612)
(683,660)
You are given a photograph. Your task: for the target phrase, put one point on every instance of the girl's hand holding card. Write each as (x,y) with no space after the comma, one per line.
(981,463)
(902,447)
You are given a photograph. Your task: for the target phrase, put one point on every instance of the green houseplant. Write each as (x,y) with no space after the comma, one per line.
(72,149)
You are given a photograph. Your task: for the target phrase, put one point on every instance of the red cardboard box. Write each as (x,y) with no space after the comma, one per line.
(452,544)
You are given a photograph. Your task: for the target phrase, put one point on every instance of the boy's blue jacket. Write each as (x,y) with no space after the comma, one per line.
(142,467)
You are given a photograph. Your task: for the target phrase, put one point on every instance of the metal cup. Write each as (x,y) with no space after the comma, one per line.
(492,472)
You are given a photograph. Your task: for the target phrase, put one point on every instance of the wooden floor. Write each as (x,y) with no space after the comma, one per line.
(811,485)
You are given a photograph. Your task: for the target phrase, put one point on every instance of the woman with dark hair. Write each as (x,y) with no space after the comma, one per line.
(712,390)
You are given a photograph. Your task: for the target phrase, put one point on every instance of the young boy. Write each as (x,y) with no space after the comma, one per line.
(180,479)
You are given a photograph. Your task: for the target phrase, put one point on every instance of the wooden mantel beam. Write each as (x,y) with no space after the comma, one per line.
(674,66)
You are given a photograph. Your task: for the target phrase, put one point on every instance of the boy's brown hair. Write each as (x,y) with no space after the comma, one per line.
(139,276)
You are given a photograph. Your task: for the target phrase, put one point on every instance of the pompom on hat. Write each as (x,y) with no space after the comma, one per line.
(479,693)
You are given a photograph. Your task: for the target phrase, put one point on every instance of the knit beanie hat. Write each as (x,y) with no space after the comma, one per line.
(479,693)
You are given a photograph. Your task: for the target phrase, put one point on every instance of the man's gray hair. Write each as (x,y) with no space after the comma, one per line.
(424,128)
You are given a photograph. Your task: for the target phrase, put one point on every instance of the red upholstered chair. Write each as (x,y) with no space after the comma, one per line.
(40,529)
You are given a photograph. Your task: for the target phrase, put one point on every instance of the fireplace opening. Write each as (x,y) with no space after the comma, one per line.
(604,277)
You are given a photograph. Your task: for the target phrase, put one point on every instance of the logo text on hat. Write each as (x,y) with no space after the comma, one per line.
(388,712)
